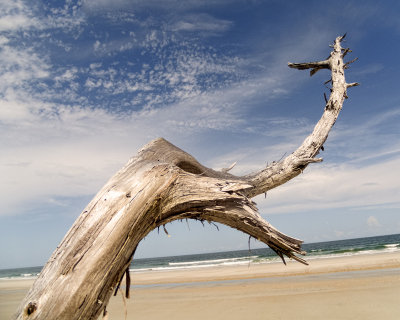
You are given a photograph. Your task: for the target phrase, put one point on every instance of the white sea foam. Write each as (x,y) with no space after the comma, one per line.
(200,264)
(215,261)
(21,277)
(392,245)
(389,248)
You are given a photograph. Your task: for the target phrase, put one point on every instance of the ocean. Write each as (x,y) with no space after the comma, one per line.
(350,247)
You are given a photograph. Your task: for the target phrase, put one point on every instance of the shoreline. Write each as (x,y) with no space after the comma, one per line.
(352,287)
(324,265)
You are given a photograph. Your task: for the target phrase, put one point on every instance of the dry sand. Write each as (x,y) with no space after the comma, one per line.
(358,287)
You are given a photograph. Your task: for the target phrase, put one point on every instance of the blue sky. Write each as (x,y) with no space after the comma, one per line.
(84,84)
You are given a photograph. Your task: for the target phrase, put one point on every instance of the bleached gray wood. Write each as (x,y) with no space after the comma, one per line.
(161,184)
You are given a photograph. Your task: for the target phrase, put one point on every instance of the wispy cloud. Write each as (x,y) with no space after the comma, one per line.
(366,141)
(201,22)
(373,222)
(66,155)
(16,16)
(337,186)
(166,4)
(171,86)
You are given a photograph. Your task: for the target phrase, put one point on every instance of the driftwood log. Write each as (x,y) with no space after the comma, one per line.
(161,184)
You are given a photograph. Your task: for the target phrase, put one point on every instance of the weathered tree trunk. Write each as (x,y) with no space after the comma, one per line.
(161,184)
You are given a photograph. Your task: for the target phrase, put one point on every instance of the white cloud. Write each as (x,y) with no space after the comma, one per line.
(73,150)
(13,111)
(18,15)
(67,154)
(201,22)
(373,222)
(90,83)
(68,75)
(365,141)
(73,147)
(16,22)
(96,45)
(337,186)
(19,66)
(15,16)
(140,4)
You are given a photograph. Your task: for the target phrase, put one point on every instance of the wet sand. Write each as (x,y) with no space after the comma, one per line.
(357,287)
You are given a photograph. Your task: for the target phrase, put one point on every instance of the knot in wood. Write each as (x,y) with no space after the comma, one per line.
(30,308)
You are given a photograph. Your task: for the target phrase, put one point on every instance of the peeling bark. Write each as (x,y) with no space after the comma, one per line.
(161,184)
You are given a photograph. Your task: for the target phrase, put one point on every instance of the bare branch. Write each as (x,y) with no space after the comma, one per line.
(314,66)
(224,170)
(345,52)
(350,62)
(310,65)
(287,169)
(354,84)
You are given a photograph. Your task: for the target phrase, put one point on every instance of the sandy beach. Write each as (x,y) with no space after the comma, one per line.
(356,287)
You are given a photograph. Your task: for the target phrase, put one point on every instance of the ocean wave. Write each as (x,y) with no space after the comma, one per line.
(213,261)
(198,264)
(392,245)
(30,276)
